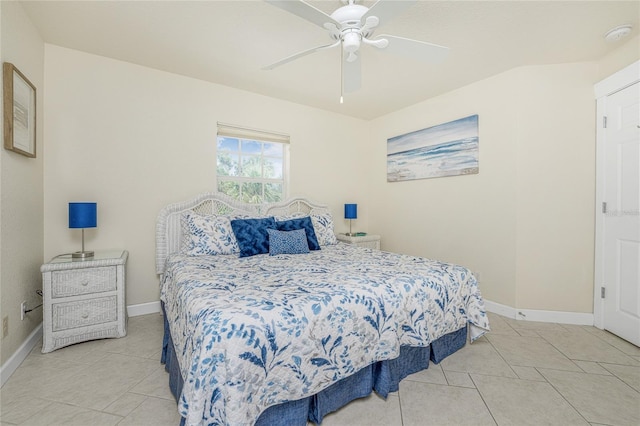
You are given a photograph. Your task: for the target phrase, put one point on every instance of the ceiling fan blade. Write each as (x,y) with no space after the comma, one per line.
(304,11)
(415,49)
(386,10)
(300,55)
(351,75)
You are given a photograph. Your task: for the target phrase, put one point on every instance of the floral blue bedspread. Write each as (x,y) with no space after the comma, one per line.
(253,332)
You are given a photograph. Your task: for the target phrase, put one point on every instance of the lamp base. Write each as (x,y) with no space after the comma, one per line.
(82,255)
(351,234)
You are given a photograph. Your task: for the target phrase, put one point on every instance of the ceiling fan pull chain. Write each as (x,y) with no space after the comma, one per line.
(341,76)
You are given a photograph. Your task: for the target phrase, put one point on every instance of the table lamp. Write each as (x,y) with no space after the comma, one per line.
(82,215)
(350,212)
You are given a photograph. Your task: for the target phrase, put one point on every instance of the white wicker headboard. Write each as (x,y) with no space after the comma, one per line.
(168,224)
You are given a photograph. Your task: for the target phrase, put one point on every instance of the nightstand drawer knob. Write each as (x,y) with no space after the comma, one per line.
(85,283)
(85,315)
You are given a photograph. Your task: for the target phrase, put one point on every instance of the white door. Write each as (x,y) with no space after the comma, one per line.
(621,221)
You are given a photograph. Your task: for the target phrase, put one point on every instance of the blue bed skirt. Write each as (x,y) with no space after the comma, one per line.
(382,377)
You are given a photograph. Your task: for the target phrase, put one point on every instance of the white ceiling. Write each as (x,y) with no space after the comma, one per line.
(227,42)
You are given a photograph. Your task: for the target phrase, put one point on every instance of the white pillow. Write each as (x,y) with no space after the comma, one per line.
(289,216)
(323,226)
(208,235)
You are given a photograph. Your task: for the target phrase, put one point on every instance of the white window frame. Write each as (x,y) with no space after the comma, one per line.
(261,136)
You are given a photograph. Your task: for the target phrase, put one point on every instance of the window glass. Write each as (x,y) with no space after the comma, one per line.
(250,170)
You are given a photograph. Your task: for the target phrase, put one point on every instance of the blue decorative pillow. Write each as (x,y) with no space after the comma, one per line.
(301,223)
(287,242)
(252,235)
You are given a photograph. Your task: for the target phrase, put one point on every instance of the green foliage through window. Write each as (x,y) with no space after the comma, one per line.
(251,171)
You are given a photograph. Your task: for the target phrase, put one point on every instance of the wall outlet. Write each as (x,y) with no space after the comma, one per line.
(5,327)
(23,310)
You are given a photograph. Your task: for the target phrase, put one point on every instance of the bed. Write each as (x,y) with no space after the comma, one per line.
(290,334)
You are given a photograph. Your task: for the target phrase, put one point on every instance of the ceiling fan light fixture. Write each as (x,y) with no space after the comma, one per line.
(351,41)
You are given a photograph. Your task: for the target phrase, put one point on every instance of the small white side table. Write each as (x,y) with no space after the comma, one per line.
(369,241)
(83,299)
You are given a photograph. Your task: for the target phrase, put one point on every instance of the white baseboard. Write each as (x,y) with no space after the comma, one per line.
(143,309)
(576,318)
(12,364)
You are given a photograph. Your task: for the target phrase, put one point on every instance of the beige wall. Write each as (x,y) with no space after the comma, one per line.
(626,54)
(555,181)
(525,222)
(470,220)
(134,139)
(21,190)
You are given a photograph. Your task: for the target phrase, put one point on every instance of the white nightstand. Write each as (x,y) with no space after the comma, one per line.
(369,241)
(83,299)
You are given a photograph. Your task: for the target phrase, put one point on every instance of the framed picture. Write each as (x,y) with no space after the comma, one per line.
(19,112)
(448,149)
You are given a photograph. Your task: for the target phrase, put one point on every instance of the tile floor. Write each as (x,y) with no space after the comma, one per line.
(522,373)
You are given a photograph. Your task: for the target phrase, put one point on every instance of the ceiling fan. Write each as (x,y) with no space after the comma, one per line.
(353,25)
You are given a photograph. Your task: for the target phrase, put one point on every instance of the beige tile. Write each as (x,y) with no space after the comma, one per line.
(31,381)
(156,384)
(82,353)
(591,367)
(499,325)
(53,360)
(600,399)
(16,409)
(369,411)
(153,412)
(433,374)
(525,402)
(143,343)
(124,405)
(68,415)
(580,345)
(479,357)
(430,404)
(521,325)
(530,352)
(525,332)
(628,374)
(102,384)
(615,341)
(528,373)
(455,378)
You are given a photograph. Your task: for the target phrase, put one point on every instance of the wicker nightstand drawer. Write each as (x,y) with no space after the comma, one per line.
(81,281)
(83,313)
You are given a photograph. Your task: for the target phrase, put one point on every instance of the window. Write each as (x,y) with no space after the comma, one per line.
(251,164)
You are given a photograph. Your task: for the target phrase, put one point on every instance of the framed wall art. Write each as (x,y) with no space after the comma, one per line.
(448,149)
(19,112)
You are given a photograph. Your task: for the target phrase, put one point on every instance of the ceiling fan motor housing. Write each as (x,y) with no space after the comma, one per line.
(350,33)
(350,15)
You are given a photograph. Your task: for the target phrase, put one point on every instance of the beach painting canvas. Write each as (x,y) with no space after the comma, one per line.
(448,149)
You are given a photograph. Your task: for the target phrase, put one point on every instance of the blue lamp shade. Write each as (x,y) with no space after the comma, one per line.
(350,211)
(83,215)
